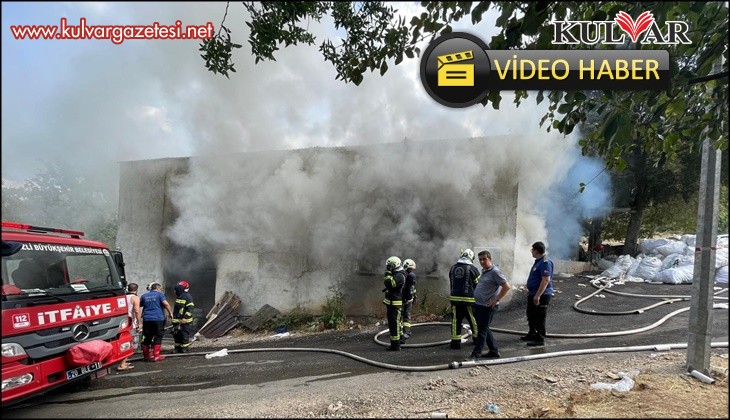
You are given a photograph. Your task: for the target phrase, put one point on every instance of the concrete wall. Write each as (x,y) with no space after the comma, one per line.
(287,279)
(142,217)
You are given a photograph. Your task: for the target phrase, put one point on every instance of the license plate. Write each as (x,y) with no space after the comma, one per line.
(75,373)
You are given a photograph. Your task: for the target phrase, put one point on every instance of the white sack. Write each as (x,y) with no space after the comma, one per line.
(678,275)
(677,260)
(690,240)
(721,275)
(721,257)
(619,268)
(631,272)
(649,245)
(672,247)
(722,241)
(648,268)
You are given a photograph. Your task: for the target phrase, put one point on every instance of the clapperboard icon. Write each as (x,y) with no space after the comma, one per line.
(453,73)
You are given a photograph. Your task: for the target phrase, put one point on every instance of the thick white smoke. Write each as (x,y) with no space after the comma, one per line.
(417,199)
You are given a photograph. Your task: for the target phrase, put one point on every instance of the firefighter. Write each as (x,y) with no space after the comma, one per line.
(394,280)
(463,277)
(182,317)
(409,296)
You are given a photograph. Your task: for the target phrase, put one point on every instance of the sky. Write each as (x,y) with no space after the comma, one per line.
(92,104)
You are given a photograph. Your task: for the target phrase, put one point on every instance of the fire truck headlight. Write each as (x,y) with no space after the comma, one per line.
(17,381)
(124,324)
(12,350)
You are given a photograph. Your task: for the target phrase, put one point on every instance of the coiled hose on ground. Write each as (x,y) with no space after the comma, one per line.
(667,299)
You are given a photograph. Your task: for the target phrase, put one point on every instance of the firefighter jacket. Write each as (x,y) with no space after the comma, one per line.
(463,277)
(393,281)
(409,287)
(183,310)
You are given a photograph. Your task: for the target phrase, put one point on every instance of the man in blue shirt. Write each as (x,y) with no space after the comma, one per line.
(153,322)
(540,291)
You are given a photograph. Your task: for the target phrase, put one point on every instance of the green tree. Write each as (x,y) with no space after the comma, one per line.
(60,197)
(647,129)
(374,36)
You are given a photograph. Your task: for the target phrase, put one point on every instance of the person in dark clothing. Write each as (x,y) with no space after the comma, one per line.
(182,321)
(153,322)
(394,279)
(539,294)
(409,296)
(463,278)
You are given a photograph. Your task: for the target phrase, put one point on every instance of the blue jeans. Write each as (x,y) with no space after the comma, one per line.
(484,315)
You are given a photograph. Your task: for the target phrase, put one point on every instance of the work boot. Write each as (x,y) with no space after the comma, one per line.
(394,346)
(529,337)
(156,356)
(537,340)
(472,358)
(146,354)
(455,344)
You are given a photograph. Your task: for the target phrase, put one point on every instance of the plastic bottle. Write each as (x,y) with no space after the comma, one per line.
(492,408)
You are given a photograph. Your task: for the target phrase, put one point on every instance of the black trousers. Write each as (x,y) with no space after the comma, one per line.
(536,316)
(459,311)
(183,335)
(406,316)
(484,315)
(153,331)
(394,322)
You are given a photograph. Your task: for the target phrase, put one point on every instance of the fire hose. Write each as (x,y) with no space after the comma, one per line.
(667,299)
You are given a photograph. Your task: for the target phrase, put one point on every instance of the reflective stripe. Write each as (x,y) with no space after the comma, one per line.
(461,299)
(393,302)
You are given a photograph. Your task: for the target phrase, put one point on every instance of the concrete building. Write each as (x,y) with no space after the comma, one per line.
(216,221)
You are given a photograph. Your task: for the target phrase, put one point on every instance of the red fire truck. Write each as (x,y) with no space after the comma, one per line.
(64,311)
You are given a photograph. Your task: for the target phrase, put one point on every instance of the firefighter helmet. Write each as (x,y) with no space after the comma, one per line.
(409,263)
(468,253)
(185,285)
(392,263)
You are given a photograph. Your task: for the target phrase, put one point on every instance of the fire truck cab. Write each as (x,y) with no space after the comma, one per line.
(64,310)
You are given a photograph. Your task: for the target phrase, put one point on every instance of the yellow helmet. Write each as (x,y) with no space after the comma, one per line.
(392,263)
(468,253)
(409,263)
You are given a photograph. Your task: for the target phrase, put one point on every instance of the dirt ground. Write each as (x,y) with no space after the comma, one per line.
(548,388)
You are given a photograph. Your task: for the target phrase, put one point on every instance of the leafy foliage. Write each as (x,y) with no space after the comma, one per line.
(333,311)
(660,123)
(646,132)
(673,216)
(296,318)
(374,36)
(59,197)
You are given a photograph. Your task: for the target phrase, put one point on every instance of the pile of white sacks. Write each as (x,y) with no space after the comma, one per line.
(665,261)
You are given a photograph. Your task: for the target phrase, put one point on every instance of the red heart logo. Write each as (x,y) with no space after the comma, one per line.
(634,29)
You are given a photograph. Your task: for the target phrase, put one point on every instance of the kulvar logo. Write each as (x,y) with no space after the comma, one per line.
(645,30)
(634,29)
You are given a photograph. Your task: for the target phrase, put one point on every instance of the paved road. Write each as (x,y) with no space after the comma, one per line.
(114,394)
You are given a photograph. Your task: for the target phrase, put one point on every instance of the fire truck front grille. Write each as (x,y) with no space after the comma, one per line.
(53,341)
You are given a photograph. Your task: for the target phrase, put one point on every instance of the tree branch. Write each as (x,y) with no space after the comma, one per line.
(716,76)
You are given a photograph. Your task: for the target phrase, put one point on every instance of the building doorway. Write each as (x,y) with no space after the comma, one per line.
(199,269)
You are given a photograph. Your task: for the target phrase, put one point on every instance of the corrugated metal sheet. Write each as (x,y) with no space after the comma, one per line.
(223,317)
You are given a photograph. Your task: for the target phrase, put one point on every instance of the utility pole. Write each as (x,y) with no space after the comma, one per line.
(700,313)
